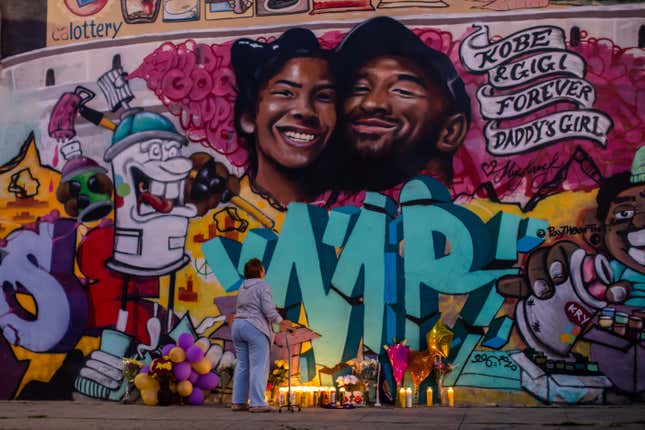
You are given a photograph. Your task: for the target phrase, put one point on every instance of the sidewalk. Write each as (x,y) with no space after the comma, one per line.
(114,416)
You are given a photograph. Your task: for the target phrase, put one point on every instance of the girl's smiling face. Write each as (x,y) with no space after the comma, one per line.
(296,113)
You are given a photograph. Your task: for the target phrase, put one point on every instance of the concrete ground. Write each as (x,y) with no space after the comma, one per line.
(114,416)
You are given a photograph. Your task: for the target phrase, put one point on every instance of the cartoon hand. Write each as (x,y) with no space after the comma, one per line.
(549,267)
(208,183)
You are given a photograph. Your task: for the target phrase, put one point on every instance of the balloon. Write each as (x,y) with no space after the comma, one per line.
(166,349)
(149,397)
(194,354)
(145,369)
(196,397)
(420,364)
(182,371)
(202,367)
(184,388)
(439,339)
(203,343)
(143,382)
(194,376)
(185,341)
(177,354)
(173,387)
(208,381)
(398,355)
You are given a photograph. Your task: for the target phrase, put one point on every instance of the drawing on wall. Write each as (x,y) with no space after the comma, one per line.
(281,7)
(475,194)
(181,10)
(140,11)
(223,9)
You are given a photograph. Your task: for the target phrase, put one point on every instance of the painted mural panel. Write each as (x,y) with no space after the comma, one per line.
(458,200)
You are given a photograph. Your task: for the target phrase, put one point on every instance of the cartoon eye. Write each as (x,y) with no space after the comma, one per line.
(93,184)
(155,151)
(624,214)
(173,152)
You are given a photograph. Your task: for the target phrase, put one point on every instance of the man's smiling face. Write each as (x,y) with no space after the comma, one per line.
(392,108)
(625,228)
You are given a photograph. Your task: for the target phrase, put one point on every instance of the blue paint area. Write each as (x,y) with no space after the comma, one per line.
(499,331)
(531,234)
(259,243)
(482,305)
(341,223)
(223,255)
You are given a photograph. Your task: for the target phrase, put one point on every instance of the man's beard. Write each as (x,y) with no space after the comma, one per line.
(397,163)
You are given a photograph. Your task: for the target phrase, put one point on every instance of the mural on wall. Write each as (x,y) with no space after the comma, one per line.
(476,194)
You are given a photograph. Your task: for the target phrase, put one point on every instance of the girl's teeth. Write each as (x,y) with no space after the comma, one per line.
(304,137)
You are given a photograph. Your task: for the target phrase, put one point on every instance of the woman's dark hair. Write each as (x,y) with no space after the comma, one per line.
(253,268)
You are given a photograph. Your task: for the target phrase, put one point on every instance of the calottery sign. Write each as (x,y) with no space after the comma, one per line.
(73,21)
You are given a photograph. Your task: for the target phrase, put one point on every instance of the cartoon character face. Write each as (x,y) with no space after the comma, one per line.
(42,305)
(87,196)
(154,171)
(625,228)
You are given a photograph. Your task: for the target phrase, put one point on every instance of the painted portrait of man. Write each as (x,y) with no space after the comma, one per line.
(404,107)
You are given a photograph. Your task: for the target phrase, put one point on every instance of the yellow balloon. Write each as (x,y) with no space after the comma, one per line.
(203,366)
(173,387)
(177,354)
(150,397)
(143,381)
(184,388)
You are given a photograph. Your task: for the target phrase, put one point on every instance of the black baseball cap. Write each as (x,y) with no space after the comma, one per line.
(383,36)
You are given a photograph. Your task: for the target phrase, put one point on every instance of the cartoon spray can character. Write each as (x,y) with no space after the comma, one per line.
(149,174)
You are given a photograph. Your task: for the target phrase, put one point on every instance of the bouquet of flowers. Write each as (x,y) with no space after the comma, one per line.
(349,382)
(365,370)
(278,375)
(131,368)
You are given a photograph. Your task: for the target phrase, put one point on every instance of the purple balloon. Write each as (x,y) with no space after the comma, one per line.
(145,369)
(185,341)
(208,381)
(194,376)
(194,354)
(196,397)
(166,349)
(181,371)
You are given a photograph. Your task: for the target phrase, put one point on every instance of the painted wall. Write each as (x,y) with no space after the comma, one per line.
(477,169)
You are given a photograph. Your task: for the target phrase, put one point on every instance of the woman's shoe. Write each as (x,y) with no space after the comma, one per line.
(261,409)
(238,407)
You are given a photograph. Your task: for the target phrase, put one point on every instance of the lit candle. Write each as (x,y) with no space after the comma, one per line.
(342,395)
(402,397)
(332,395)
(408,397)
(429,396)
(282,395)
(451,397)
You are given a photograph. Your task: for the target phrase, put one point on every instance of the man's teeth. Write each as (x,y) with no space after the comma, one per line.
(167,190)
(172,190)
(157,188)
(302,137)
(638,255)
(636,238)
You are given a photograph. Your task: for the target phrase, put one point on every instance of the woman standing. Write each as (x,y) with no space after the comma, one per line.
(255,313)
